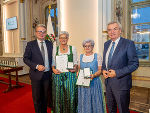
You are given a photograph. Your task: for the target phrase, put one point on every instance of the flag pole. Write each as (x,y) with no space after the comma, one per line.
(49,8)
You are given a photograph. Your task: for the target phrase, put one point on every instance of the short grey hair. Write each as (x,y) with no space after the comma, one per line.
(64,32)
(88,41)
(115,22)
(40,25)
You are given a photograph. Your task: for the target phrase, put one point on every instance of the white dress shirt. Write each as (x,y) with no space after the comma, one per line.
(46,54)
(107,53)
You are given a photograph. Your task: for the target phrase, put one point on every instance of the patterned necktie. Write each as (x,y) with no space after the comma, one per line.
(110,55)
(43,51)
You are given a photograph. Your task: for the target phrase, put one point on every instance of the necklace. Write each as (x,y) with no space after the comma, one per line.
(63,48)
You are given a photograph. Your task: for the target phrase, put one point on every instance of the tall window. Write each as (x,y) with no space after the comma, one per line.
(140,28)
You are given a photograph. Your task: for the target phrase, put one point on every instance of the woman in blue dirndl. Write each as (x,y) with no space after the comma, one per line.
(91,98)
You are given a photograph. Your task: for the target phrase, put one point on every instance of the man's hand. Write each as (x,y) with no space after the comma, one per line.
(41,68)
(105,74)
(112,73)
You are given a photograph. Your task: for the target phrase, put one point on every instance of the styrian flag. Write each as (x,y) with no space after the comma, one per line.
(50,31)
(49,26)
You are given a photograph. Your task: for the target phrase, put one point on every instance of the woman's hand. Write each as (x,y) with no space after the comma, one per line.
(74,69)
(56,71)
(96,74)
(92,76)
(77,74)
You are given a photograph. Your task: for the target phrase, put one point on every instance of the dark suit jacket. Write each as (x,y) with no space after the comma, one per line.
(32,57)
(124,62)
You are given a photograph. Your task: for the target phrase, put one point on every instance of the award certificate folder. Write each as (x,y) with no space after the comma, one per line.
(82,80)
(70,65)
(61,63)
(87,72)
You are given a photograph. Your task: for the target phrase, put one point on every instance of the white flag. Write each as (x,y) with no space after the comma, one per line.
(49,26)
(50,29)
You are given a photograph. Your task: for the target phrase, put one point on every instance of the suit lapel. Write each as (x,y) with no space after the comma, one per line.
(48,47)
(106,47)
(105,51)
(117,48)
(37,48)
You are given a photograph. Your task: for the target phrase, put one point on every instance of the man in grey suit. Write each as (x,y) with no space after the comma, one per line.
(119,61)
(38,56)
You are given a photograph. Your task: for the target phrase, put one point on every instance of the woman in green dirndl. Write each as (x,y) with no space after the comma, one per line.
(64,76)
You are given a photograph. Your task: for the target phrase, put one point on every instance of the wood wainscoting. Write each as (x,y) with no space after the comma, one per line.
(140,99)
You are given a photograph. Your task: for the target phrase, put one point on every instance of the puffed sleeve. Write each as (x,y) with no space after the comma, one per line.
(99,60)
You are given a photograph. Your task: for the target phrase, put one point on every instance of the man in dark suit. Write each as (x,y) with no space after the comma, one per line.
(38,56)
(119,61)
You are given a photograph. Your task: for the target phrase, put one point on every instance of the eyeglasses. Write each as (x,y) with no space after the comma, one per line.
(63,38)
(87,46)
(115,29)
(43,32)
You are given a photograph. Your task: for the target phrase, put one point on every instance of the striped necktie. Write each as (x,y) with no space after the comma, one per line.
(110,55)
(43,51)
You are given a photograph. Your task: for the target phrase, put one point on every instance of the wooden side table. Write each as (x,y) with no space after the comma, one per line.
(7,71)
